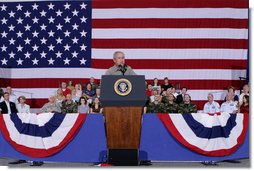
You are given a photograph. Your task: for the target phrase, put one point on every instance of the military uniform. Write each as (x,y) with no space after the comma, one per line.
(164,99)
(69,108)
(229,107)
(187,108)
(171,108)
(94,86)
(213,107)
(156,108)
(114,70)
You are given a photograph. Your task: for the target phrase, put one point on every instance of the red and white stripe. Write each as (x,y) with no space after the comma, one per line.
(37,146)
(219,146)
(214,143)
(40,142)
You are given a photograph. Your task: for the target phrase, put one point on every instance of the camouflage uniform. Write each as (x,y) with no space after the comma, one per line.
(156,108)
(69,108)
(94,86)
(164,99)
(172,108)
(187,108)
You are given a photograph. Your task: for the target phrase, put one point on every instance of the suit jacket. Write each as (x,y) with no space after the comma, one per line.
(4,108)
(179,99)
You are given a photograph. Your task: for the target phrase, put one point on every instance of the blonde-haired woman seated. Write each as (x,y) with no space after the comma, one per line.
(22,107)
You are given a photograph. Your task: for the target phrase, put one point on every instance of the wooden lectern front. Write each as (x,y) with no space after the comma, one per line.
(123,98)
(123,126)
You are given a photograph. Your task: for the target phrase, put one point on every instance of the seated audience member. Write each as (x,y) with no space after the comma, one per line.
(97,93)
(65,89)
(147,101)
(78,89)
(96,106)
(245,91)
(164,93)
(52,106)
(83,107)
(165,97)
(187,106)
(180,97)
(93,84)
(245,105)
(22,106)
(149,90)
(1,93)
(59,96)
(156,106)
(166,84)
(156,85)
(6,106)
(89,92)
(70,86)
(231,90)
(68,106)
(211,106)
(154,93)
(74,96)
(171,106)
(174,92)
(229,106)
(12,96)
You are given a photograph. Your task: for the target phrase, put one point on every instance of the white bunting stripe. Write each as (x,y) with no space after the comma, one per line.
(208,144)
(39,142)
(39,119)
(209,121)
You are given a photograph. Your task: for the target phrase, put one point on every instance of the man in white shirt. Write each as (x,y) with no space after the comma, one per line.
(245,91)
(12,97)
(229,106)
(211,106)
(7,107)
(174,92)
(152,97)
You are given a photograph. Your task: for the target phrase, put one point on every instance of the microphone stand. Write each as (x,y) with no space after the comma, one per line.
(122,69)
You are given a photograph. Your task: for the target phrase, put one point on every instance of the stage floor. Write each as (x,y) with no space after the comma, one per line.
(242,163)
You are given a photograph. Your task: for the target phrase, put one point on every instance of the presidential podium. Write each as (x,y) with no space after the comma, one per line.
(123,99)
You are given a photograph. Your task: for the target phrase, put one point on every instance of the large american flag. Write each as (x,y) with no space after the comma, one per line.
(202,45)
(45,34)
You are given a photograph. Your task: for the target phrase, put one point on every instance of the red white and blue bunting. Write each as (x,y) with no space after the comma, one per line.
(40,135)
(211,135)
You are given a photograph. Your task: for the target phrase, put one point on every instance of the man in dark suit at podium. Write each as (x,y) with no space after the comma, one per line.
(120,68)
(6,106)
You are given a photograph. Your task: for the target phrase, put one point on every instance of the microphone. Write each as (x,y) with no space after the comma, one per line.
(122,68)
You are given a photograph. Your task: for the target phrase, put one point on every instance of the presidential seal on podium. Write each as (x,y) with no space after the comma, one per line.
(122,87)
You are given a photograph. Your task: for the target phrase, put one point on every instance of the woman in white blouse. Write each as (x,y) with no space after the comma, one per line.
(22,106)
